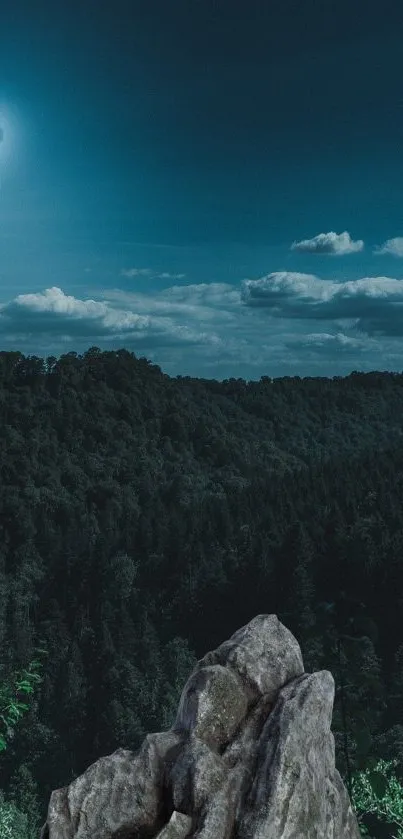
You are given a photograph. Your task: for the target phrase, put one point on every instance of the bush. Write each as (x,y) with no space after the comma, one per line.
(374,793)
(13,823)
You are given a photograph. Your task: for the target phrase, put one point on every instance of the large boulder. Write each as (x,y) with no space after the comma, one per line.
(250,756)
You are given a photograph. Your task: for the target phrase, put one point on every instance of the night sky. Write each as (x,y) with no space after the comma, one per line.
(216,185)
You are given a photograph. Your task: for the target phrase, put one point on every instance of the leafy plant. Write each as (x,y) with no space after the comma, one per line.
(374,792)
(11,710)
(14,824)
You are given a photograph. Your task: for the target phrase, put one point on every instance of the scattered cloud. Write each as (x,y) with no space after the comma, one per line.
(336,244)
(394,247)
(135,272)
(327,342)
(148,272)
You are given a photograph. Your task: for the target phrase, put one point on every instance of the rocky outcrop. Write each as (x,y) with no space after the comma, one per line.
(250,756)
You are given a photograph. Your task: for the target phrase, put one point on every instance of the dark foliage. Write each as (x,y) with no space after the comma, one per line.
(143,519)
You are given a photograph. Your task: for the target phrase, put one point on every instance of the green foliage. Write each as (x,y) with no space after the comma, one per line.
(374,792)
(13,823)
(24,794)
(19,818)
(12,710)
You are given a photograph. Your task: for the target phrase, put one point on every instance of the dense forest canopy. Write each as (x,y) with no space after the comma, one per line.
(144,519)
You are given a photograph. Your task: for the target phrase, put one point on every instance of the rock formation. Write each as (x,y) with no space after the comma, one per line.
(250,756)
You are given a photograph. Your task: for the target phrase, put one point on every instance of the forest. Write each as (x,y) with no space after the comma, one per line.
(145,518)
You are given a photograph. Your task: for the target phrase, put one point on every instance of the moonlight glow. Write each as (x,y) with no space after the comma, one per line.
(9,136)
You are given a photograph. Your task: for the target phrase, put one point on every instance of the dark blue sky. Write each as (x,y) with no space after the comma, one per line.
(216,185)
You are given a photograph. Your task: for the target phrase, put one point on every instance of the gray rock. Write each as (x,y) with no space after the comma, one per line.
(250,756)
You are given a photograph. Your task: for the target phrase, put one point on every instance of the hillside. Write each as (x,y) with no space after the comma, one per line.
(143,518)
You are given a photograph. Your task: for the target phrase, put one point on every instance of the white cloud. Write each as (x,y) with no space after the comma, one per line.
(336,244)
(53,312)
(375,302)
(136,272)
(391,246)
(203,302)
(148,272)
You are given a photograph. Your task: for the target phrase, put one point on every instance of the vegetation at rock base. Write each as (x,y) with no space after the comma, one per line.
(21,822)
(376,793)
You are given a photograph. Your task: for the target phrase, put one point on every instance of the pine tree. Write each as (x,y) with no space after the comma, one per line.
(359,690)
(299,613)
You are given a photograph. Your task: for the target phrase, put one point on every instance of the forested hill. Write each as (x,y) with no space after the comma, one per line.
(143,519)
(221,428)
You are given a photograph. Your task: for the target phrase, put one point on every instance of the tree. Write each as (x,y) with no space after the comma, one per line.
(300,597)
(359,693)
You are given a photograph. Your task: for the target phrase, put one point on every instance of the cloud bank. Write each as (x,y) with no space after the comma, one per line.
(283,323)
(375,303)
(336,244)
